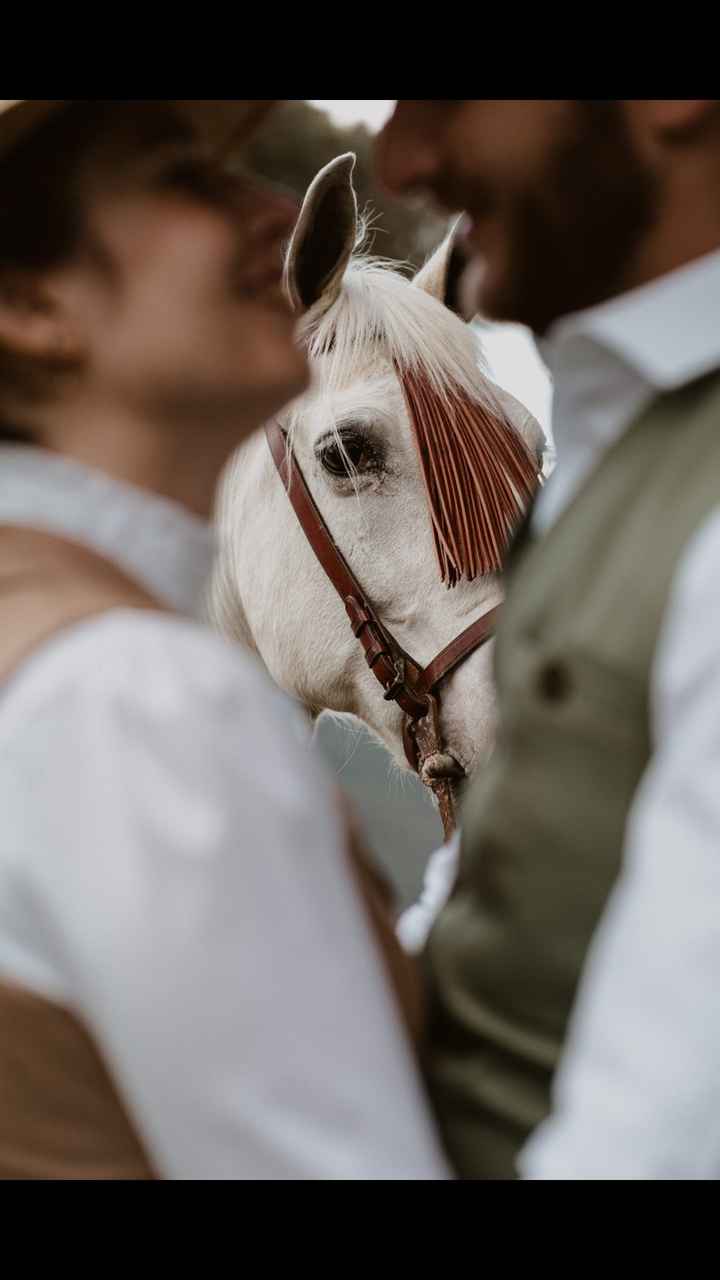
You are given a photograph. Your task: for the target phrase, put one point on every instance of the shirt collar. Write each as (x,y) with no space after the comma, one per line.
(610,362)
(160,544)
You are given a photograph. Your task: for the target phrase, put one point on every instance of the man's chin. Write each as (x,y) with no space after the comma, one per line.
(505,301)
(501,303)
(489,289)
(486,291)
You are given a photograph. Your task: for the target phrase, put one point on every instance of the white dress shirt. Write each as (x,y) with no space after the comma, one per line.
(638,1091)
(416,922)
(172,870)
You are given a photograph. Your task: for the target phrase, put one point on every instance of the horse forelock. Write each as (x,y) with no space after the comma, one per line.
(380,317)
(478,473)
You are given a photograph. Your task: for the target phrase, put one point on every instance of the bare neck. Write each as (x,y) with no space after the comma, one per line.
(180,463)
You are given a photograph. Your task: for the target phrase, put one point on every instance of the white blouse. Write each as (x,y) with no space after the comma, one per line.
(172,870)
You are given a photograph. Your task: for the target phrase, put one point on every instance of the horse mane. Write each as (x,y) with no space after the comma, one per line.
(479,474)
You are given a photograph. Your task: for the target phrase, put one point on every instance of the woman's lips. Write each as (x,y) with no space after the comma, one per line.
(264,231)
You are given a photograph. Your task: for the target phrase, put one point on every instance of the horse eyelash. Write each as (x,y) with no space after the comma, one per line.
(358,430)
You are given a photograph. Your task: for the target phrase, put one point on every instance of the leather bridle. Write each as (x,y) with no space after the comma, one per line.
(415,689)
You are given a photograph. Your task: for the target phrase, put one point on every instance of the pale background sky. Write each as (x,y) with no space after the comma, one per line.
(510,351)
(373,113)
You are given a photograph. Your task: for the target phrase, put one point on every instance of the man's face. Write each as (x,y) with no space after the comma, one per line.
(557,193)
(175,289)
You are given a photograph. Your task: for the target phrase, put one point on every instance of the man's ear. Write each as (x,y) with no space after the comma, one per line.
(33,323)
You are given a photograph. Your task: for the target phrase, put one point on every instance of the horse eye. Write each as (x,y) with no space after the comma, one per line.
(355,455)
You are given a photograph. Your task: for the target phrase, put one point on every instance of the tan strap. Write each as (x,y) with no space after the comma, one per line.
(48,584)
(61,1116)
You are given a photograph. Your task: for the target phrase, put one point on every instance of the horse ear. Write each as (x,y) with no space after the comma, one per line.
(443,275)
(324,238)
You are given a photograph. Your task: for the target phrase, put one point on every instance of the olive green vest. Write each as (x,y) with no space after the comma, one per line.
(543,826)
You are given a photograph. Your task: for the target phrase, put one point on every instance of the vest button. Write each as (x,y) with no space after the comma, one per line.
(554,682)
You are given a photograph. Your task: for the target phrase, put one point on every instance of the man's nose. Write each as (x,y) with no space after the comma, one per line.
(405,161)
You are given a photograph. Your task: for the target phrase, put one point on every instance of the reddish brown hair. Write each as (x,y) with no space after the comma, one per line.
(479,477)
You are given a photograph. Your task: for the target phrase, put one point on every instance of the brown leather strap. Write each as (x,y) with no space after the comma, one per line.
(403,679)
(459,649)
(377,642)
(385,658)
(316,531)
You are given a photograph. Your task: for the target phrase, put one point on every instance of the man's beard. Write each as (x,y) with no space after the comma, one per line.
(573,237)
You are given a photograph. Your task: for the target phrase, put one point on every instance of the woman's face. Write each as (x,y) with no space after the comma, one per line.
(174,297)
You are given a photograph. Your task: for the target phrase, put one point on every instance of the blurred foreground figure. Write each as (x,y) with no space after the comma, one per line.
(190,986)
(596,223)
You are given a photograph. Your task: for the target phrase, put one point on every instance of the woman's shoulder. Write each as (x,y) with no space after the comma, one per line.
(156,661)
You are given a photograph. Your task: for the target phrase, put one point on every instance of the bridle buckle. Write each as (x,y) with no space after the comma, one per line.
(399,682)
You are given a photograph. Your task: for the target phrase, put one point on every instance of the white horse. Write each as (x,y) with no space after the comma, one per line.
(353,438)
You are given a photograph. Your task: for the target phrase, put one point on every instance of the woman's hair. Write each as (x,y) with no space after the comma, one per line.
(42,218)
